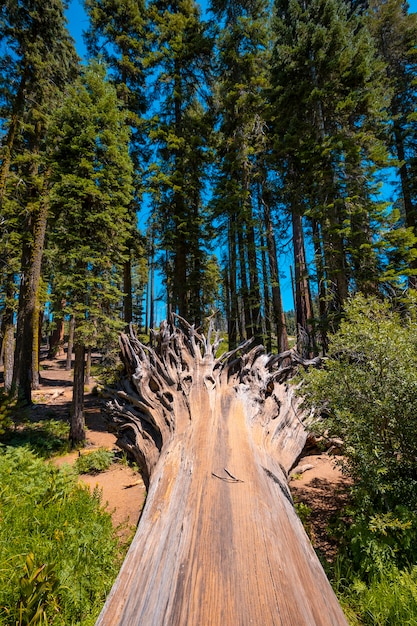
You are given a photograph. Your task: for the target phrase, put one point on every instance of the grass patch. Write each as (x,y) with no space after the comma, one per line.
(59,553)
(389,599)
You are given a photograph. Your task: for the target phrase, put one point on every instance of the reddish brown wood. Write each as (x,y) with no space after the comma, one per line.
(219,542)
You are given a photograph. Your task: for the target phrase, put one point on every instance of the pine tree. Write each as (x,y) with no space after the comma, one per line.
(118,33)
(242,185)
(395,33)
(40,58)
(180,130)
(92,173)
(328,101)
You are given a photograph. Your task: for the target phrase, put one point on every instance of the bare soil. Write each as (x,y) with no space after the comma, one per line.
(324,490)
(123,491)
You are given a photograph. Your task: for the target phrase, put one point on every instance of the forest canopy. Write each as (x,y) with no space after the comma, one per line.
(188,155)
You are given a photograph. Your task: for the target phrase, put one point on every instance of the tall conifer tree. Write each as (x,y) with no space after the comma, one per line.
(118,33)
(39,59)
(242,185)
(92,173)
(328,103)
(180,128)
(395,32)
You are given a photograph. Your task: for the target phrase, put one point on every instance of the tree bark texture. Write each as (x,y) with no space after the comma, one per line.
(278,310)
(77,422)
(127,288)
(219,542)
(7,328)
(28,312)
(8,356)
(70,344)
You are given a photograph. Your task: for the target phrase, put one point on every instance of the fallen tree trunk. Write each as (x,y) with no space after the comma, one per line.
(219,542)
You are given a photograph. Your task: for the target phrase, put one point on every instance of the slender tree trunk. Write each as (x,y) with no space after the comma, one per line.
(70,344)
(180,278)
(362,254)
(254,289)
(232,321)
(147,304)
(278,310)
(56,340)
(28,312)
(303,304)
(334,249)
(127,290)
(246,322)
(8,333)
(8,356)
(267,299)
(37,332)
(179,287)
(335,262)
(77,423)
(88,368)
(321,282)
(409,207)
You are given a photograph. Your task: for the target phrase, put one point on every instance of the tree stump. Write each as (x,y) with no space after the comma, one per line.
(219,542)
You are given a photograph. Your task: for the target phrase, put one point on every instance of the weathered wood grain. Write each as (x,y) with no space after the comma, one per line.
(219,542)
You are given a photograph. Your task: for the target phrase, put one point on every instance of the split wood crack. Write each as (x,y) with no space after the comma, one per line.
(228,479)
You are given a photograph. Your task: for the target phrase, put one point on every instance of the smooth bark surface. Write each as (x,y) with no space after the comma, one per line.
(219,542)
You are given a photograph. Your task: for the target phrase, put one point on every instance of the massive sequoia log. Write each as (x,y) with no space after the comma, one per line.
(219,542)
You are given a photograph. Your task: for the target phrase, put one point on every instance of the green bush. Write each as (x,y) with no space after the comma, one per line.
(94,462)
(12,411)
(367,392)
(59,553)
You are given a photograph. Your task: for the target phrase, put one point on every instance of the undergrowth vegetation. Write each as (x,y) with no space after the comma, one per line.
(94,462)
(47,437)
(366,394)
(59,553)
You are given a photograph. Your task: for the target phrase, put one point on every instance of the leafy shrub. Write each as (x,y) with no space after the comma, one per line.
(372,544)
(304,513)
(58,549)
(6,412)
(367,392)
(94,462)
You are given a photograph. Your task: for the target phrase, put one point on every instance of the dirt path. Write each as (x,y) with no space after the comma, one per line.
(122,488)
(323,489)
